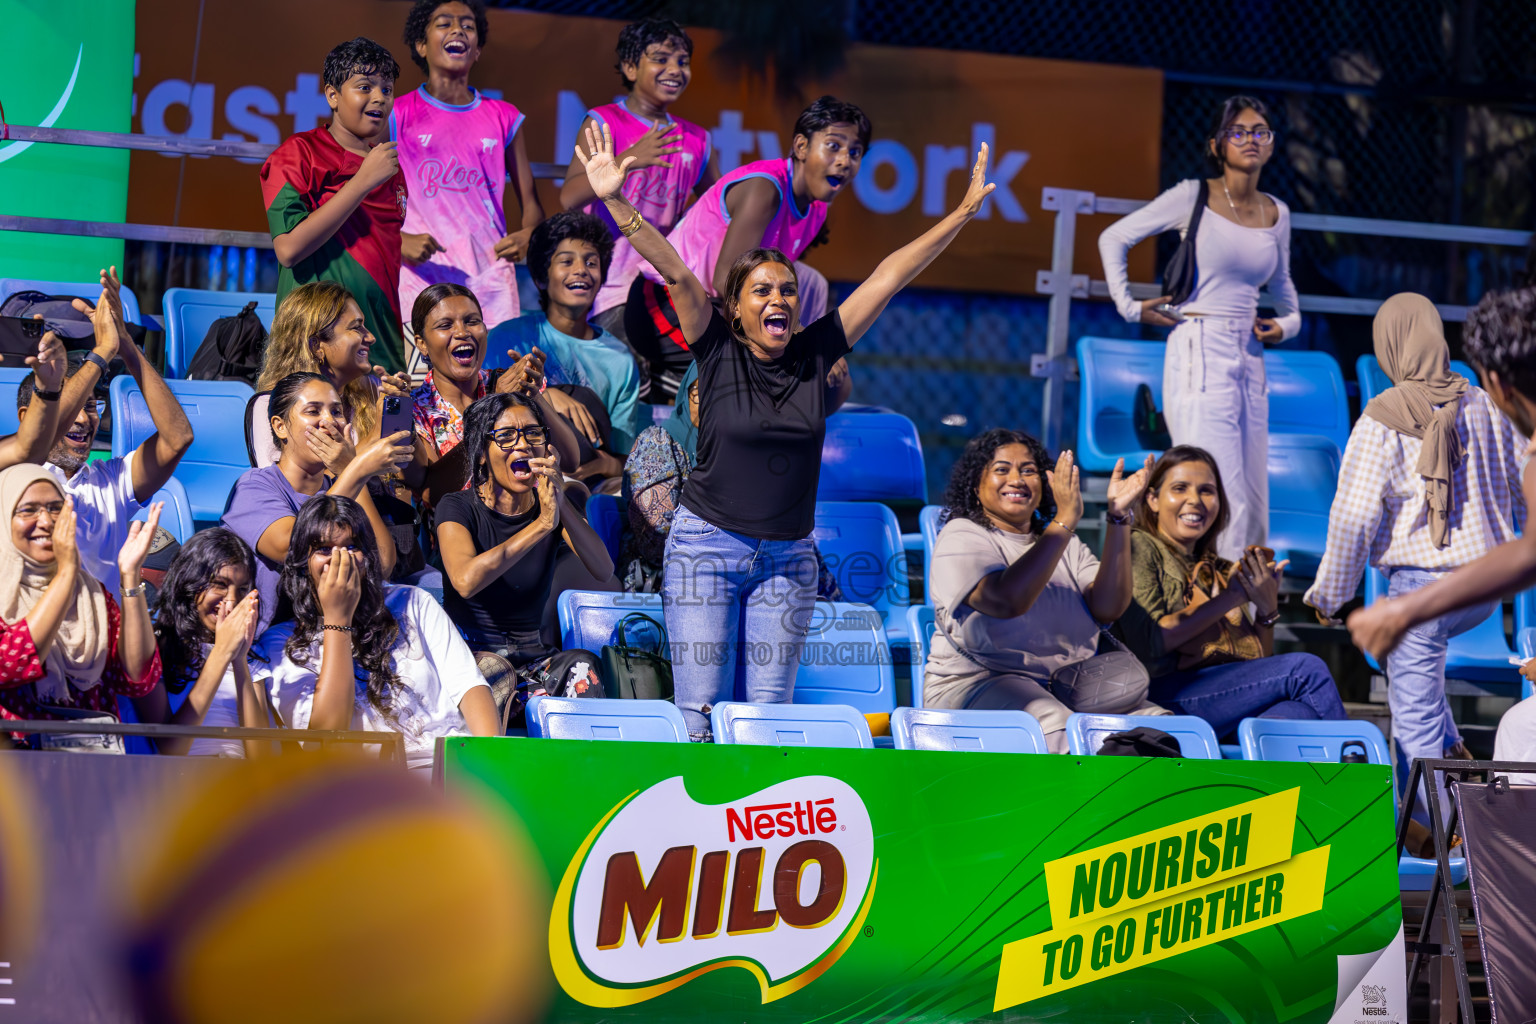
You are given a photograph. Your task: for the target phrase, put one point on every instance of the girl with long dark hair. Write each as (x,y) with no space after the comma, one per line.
(1188,620)
(741,572)
(361,654)
(205,622)
(1213,380)
(1016,594)
(500,539)
(308,423)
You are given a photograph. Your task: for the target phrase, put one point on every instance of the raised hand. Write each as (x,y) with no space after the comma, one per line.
(978,190)
(235,626)
(1125,493)
(130,559)
(396,385)
(653,148)
(1065,488)
(1260,578)
(50,363)
(525,376)
(340,587)
(106,316)
(381,164)
(66,543)
(604,173)
(334,450)
(386,454)
(547,472)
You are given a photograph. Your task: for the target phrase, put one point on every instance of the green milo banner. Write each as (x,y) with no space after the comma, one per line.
(706,883)
(69,65)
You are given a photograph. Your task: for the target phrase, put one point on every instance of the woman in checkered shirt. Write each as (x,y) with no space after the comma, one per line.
(1430,482)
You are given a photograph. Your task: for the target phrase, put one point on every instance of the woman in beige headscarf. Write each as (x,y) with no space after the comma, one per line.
(66,644)
(1430,481)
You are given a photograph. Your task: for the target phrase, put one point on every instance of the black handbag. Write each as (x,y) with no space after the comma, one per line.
(1182,272)
(633,672)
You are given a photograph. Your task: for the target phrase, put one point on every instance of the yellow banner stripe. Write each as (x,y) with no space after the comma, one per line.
(1087,951)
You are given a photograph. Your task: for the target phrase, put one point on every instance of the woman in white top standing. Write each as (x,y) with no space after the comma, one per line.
(1214,393)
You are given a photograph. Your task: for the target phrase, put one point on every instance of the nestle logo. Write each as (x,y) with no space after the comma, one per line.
(797,818)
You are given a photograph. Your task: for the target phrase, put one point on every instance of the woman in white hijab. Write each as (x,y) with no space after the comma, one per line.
(65,644)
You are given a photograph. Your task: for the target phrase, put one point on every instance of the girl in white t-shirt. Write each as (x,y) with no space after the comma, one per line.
(361,655)
(205,621)
(1214,388)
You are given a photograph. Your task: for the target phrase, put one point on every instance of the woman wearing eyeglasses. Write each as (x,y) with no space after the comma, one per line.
(1213,379)
(499,539)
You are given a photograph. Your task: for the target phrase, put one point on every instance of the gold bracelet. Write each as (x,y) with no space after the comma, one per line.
(1063,525)
(633,225)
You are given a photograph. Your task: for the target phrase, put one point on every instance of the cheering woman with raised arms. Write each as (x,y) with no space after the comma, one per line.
(740,566)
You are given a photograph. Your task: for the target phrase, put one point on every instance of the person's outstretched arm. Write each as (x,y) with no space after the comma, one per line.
(606,177)
(897,270)
(39,430)
(1506,570)
(156,459)
(1110,594)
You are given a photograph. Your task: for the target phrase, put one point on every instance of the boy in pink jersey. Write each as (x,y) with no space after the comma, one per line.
(673,157)
(457,148)
(780,204)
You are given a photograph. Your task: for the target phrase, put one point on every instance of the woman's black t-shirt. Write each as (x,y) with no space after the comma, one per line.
(514,603)
(761,425)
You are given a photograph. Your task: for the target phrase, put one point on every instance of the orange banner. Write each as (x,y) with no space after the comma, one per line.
(252,74)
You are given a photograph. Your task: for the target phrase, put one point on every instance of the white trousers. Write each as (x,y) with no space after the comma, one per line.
(1215,397)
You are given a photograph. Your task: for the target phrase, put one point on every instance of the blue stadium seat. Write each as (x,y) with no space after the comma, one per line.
(920,628)
(216,409)
(176,517)
(861,543)
(1303,474)
(189,312)
(785,725)
(1373,380)
(1008,732)
(872,456)
(1279,739)
(1306,394)
(88,290)
(564,718)
(10,382)
(1294,739)
(928,524)
(847,660)
(1481,654)
(1109,371)
(588,617)
(1196,737)
(606,515)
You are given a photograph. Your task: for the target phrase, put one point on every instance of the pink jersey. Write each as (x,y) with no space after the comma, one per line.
(699,235)
(455,165)
(659,193)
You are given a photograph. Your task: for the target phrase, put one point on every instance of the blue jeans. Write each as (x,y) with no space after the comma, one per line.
(1422,725)
(1281,686)
(738,610)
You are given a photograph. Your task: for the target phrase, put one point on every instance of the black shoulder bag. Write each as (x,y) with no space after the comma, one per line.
(1182,272)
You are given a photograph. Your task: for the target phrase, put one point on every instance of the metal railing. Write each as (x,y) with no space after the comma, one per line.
(173,145)
(1057,365)
(392,744)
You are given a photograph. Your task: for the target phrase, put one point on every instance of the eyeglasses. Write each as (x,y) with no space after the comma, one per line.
(1262,136)
(31,513)
(506,437)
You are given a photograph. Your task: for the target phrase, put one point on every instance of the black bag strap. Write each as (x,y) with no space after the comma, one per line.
(638,617)
(1202,196)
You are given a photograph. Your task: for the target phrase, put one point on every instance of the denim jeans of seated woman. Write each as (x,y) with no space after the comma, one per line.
(1281,686)
(738,610)
(517,666)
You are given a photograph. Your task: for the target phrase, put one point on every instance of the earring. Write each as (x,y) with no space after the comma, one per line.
(736,327)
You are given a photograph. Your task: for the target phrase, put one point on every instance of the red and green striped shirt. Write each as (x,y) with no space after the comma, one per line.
(303,173)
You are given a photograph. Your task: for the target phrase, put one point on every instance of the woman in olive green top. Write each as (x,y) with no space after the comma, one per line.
(1206,656)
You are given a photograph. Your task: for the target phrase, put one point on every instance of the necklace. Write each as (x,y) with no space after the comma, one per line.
(1235,212)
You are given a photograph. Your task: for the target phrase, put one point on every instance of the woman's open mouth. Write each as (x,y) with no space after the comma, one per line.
(1192,519)
(1015,496)
(521,470)
(466,354)
(776,324)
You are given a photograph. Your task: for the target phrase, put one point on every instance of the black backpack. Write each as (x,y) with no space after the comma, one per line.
(233,349)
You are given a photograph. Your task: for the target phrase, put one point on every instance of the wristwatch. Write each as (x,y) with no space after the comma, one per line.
(1265,621)
(48,396)
(136,591)
(101,364)
(1124,520)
